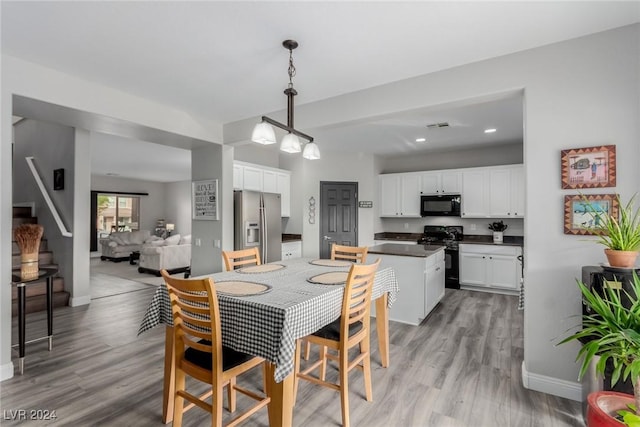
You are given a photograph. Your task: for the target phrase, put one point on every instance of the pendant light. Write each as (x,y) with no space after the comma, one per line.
(263,132)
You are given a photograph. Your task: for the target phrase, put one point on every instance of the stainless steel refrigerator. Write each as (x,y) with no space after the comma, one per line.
(257,222)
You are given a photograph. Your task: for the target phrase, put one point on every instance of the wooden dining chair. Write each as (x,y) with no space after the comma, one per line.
(347,253)
(199,352)
(241,258)
(349,331)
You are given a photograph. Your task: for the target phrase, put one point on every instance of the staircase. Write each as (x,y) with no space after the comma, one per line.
(36,293)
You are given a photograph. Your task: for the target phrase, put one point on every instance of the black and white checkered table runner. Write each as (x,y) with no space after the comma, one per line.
(267,325)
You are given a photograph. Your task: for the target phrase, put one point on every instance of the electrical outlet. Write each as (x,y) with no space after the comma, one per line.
(406,225)
(198,242)
(473,227)
(216,243)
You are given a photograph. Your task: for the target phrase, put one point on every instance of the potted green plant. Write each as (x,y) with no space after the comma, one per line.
(612,332)
(498,228)
(619,234)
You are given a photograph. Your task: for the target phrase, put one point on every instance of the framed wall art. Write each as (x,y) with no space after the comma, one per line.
(204,199)
(579,217)
(590,167)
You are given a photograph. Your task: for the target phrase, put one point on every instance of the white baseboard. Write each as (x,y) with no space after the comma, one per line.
(551,385)
(6,371)
(75,302)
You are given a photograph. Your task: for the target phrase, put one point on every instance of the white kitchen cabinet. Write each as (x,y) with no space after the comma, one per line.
(238,181)
(490,266)
(400,195)
(269,181)
(284,188)
(421,285)
(441,182)
(291,250)
(251,178)
(493,192)
(247,176)
(434,281)
(474,194)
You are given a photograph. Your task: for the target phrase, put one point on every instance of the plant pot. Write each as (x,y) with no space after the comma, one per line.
(624,259)
(498,237)
(602,407)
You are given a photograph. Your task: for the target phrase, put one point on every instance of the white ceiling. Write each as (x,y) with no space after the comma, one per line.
(224,60)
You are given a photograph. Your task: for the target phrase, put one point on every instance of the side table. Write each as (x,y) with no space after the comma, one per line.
(44,273)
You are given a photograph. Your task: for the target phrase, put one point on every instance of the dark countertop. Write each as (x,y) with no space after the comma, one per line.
(405,250)
(468,238)
(291,238)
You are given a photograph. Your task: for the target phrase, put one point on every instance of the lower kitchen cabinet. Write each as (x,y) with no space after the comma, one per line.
(291,250)
(490,266)
(420,282)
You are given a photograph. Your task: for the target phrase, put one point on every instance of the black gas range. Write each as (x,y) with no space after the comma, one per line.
(448,236)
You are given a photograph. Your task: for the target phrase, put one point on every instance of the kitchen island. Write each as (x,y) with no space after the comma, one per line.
(419,270)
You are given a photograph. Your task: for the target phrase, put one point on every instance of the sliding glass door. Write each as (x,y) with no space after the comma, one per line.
(113,212)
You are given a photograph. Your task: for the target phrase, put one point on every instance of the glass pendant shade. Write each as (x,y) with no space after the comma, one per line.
(290,144)
(311,151)
(263,134)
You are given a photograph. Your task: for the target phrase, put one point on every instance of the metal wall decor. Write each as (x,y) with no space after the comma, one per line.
(312,210)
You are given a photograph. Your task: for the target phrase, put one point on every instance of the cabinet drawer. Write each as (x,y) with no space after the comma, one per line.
(490,249)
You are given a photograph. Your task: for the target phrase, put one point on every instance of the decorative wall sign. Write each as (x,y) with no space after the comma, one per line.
(365,204)
(58,179)
(204,199)
(590,167)
(579,216)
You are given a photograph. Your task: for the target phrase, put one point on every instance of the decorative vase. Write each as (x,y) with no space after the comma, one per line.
(624,259)
(602,407)
(29,266)
(497,237)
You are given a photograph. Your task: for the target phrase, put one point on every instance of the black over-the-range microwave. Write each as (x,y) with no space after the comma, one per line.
(445,205)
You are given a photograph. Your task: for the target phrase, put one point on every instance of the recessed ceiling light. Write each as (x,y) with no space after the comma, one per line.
(421,139)
(492,130)
(112,174)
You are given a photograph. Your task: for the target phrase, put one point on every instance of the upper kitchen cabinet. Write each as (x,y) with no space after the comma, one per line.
(441,182)
(493,192)
(247,176)
(400,195)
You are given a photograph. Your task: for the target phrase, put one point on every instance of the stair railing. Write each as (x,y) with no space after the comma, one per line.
(47,198)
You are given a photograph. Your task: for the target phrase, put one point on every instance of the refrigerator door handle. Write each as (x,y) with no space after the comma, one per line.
(263,229)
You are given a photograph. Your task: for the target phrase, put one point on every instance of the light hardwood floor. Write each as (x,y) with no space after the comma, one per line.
(459,368)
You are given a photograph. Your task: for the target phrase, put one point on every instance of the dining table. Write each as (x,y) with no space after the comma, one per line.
(290,305)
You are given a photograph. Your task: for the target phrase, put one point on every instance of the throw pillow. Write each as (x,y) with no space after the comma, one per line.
(186,240)
(136,238)
(172,240)
(155,243)
(126,237)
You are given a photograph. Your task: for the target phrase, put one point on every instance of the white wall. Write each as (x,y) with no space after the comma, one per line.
(579,93)
(178,205)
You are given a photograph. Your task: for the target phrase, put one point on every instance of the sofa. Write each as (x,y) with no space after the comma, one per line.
(119,245)
(172,254)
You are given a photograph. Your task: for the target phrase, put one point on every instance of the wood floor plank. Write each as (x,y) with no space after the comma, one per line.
(461,367)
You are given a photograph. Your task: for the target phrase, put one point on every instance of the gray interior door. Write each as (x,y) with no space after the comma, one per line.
(338,215)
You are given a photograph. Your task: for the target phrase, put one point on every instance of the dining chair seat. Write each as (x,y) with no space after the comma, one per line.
(332,330)
(230,357)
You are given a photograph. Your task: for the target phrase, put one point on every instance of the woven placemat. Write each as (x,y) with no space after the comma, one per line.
(264,268)
(240,288)
(330,263)
(331,278)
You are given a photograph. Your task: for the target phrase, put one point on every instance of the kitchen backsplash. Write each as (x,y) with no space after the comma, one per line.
(416,225)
